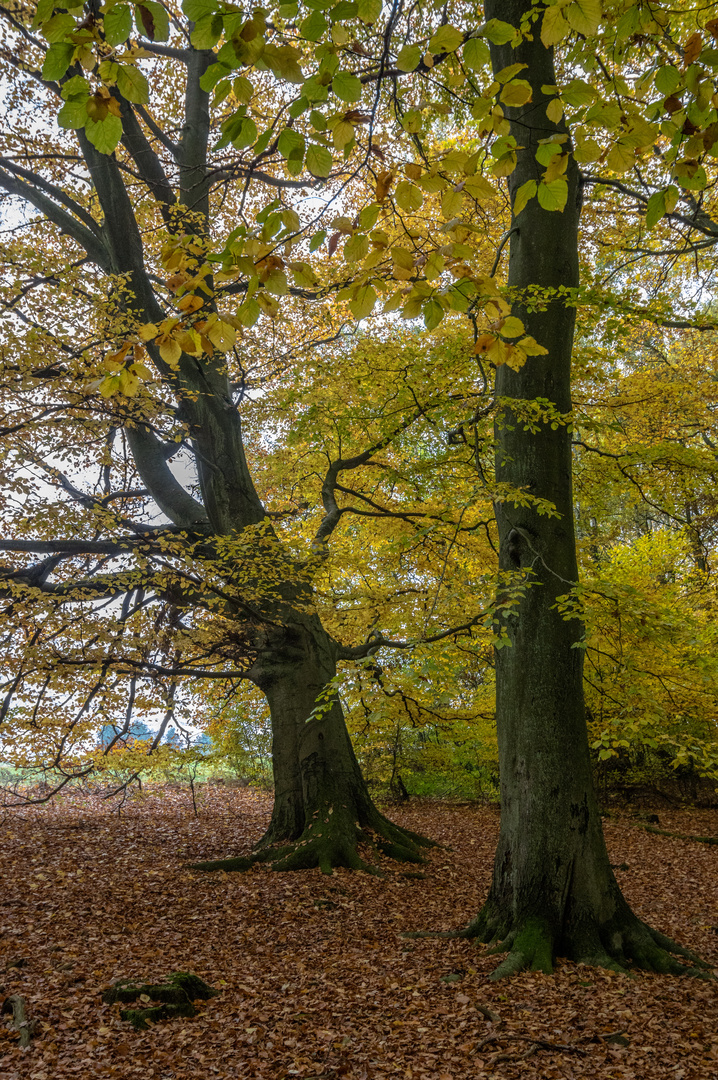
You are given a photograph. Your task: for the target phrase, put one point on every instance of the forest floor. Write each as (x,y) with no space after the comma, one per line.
(315,978)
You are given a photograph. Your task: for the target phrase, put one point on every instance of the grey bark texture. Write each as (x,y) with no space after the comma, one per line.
(553,892)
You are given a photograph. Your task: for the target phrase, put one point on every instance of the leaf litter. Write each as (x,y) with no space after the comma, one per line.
(314,976)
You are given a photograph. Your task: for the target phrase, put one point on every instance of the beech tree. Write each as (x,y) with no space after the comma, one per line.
(348,98)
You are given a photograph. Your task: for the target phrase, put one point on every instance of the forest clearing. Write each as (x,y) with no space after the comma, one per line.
(314,976)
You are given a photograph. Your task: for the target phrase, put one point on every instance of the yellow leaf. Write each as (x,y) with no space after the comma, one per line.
(148,331)
(516,93)
(554,27)
(479,187)
(170,351)
(452,203)
(515,358)
(512,327)
(587,151)
(222,336)
(190,303)
(554,110)
(531,347)
(584,16)
(621,158)
(524,193)
(556,167)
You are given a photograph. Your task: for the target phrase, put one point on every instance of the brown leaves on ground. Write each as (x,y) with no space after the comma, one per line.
(315,978)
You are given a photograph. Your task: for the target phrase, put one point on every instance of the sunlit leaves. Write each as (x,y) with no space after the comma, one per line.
(104,134)
(347,87)
(117,24)
(499,32)
(409,58)
(446,39)
(363,302)
(553,195)
(319,160)
(57,60)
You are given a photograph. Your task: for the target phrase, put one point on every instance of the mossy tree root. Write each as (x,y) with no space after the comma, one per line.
(620,944)
(332,840)
(176,996)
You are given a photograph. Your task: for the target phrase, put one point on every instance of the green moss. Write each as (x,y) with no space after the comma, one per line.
(176,994)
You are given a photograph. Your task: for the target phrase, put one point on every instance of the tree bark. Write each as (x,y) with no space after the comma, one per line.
(553,891)
(322,808)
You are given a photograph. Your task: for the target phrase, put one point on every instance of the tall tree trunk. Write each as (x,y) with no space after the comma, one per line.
(553,891)
(322,807)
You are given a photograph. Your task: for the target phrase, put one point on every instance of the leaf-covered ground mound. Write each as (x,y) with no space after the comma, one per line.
(315,979)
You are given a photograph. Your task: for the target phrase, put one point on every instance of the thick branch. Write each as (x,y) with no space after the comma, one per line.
(84,236)
(151,461)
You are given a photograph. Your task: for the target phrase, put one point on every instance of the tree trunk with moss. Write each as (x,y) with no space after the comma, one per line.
(322,808)
(553,892)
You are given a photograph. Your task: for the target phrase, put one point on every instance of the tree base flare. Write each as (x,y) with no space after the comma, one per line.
(332,840)
(621,944)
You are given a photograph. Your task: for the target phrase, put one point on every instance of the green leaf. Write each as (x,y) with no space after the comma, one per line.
(58,27)
(317,240)
(446,39)
(369,10)
(369,215)
(409,58)
(577,93)
(198,9)
(248,312)
(291,144)
(476,54)
(667,79)
(207,32)
(363,302)
(277,283)
(246,133)
(319,161)
(313,26)
(118,24)
(553,196)
(57,60)
(408,196)
(152,20)
(77,86)
(584,16)
(73,114)
(498,32)
(243,89)
(213,74)
(524,193)
(104,134)
(346,86)
(356,248)
(133,85)
(433,314)
(656,208)
(343,134)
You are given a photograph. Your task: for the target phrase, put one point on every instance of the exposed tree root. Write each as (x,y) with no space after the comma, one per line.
(620,944)
(680,835)
(15,1005)
(332,840)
